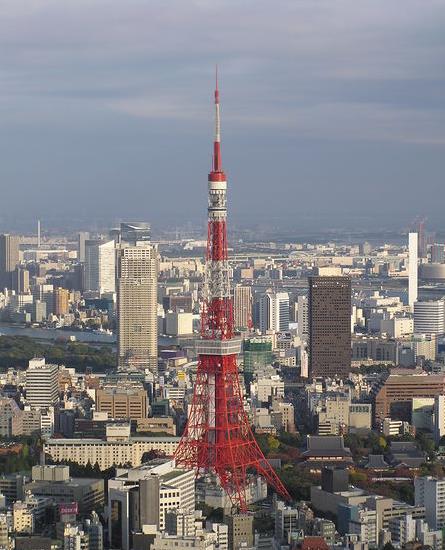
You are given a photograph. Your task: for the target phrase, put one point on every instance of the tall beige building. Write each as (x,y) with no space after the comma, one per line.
(61,301)
(137,278)
(243,306)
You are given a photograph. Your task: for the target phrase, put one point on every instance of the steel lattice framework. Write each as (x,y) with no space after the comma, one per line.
(218,438)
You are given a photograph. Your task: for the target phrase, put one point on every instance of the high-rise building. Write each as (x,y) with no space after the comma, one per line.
(257,354)
(438,253)
(21,280)
(329,326)
(82,237)
(422,240)
(42,385)
(9,258)
(412,268)
(243,306)
(132,233)
(274,311)
(142,496)
(45,294)
(137,278)
(61,301)
(429,317)
(439,418)
(303,317)
(100,266)
(430,492)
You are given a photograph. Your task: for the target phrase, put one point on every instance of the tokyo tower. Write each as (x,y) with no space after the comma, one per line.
(218,438)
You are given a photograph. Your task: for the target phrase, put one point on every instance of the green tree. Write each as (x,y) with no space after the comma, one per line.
(273,443)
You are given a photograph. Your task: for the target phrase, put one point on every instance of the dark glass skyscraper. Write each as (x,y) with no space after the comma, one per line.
(329,327)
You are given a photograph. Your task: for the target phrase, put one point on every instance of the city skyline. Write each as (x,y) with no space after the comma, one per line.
(327,108)
(273,378)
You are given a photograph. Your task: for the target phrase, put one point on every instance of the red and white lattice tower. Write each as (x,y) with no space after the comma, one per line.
(218,438)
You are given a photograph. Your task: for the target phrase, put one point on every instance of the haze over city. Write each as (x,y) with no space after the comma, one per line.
(333,111)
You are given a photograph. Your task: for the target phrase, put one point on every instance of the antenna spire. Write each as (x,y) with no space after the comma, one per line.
(217,165)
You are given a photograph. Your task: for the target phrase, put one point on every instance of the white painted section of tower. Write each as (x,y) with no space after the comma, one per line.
(412,269)
(217,280)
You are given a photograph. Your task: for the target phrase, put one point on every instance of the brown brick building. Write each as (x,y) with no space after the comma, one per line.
(122,402)
(393,398)
(329,327)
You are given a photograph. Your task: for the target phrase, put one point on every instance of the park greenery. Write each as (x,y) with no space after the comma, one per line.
(16,351)
(298,480)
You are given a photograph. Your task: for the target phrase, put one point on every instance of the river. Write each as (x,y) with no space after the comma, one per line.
(81,336)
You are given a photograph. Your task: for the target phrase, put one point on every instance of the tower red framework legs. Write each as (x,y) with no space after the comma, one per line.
(218,438)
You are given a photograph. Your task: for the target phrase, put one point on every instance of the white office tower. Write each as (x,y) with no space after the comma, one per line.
(137,278)
(412,268)
(430,492)
(100,266)
(139,499)
(42,384)
(303,317)
(274,312)
(429,317)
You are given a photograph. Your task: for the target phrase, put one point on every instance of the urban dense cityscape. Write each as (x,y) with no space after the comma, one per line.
(224,386)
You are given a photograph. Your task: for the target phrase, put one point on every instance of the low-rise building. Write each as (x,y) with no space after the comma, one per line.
(159,424)
(326,450)
(108,453)
(393,396)
(23,518)
(54,482)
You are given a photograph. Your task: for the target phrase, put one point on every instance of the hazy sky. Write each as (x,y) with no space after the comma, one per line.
(333,110)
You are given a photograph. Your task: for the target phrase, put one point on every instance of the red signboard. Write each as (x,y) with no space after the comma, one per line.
(68,508)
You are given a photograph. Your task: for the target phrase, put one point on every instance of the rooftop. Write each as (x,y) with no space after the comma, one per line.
(377,462)
(72,482)
(96,441)
(314,543)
